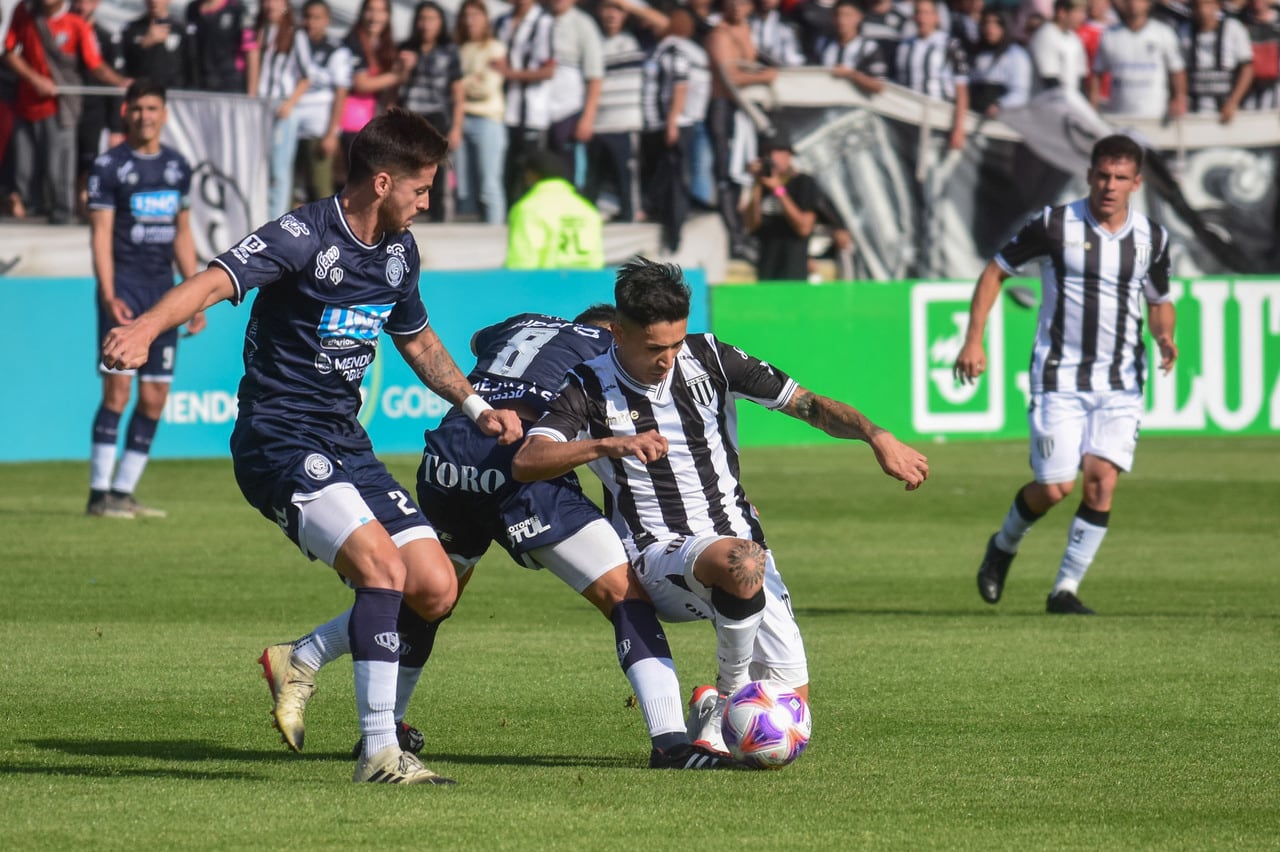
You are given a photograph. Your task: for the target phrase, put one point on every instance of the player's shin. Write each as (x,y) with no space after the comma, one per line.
(375,651)
(1088,528)
(137,450)
(645,658)
(1017,523)
(417,639)
(737,622)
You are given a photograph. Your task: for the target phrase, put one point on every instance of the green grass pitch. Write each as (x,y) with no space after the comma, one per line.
(133,715)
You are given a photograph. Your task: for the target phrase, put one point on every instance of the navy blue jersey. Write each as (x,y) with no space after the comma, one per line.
(146,191)
(525,358)
(325,296)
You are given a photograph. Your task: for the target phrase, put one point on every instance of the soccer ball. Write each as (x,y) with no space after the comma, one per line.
(766,725)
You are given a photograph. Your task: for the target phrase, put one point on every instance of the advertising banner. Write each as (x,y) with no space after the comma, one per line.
(59,397)
(887,349)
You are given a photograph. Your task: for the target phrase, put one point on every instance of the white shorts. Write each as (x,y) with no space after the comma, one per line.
(665,569)
(1065,425)
(328,517)
(583,557)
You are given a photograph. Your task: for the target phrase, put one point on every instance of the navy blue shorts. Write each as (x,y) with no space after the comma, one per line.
(162,358)
(466,489)
(273,465)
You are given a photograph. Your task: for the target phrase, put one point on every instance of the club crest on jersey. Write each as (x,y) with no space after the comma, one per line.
(701,389)
(395,270)
(172,172)
(318,467)
(1142,253)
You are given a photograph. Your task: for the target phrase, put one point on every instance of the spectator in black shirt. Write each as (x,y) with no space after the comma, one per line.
(781,211)
(222,45)
(156,47)
(431,86)
(101,126)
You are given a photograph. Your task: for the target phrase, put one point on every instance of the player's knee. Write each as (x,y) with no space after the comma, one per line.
(1055,492)
(737,567)
(612,588)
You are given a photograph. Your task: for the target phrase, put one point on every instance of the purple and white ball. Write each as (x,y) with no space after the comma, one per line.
(766,725)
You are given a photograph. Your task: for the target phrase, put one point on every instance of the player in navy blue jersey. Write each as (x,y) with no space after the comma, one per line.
(140,224)
(466,489)
(655,418)
(332,276)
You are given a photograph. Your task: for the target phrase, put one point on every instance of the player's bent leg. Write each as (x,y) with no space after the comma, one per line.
(733,569)
(1084,537)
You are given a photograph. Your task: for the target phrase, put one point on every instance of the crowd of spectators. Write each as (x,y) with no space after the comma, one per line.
(637,98)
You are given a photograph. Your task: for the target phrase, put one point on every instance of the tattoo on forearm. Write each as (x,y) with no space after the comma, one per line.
(746,563)
(835,418)
(435,367)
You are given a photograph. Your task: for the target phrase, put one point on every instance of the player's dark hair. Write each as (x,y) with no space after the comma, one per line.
(1116,147)
(397,142)
(852,4)
(141,87)
(601,314)
(648,292)
(307,6)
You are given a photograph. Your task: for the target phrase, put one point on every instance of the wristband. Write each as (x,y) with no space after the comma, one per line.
(474,405)
(779,190)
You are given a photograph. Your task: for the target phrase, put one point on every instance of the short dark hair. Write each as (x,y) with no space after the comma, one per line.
(544,164)
(310,4)
(1116,147)
(141,87)
(601,314)
(397,142)
(649,292)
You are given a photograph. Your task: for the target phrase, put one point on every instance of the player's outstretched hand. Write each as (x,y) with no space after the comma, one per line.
(900,461)
(126,347)
(647,447)
(970,363)
(502,423)
(1168,354)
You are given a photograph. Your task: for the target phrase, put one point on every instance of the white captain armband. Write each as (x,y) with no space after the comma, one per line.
(474,405)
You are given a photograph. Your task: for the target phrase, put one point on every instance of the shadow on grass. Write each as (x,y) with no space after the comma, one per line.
(117,772)
(196,750)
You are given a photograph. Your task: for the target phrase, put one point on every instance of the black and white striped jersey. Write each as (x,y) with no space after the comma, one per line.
(933,66)
(860,54)
(1089,334)
(695,489)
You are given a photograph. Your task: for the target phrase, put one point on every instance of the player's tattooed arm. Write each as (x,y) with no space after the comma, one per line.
(432,363)
(831,416)
(844,421)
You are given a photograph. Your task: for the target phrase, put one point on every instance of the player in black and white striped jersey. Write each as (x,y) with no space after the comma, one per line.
(655,419)
(1101,258)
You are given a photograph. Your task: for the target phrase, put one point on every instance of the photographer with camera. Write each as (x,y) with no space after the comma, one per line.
(781,211)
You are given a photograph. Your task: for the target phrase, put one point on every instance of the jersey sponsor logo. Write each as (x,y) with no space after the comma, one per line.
(352,367)
(1077,244)
(701,389)
(326,265)
(623,418)
(126,174)
(141,234)
(250,245)
(528,528)
(462,477)
(389,640)
(318,467)
(324,364)
(159,205)
(354,322)
(339,343)
(294,226)
(172,172)
(396,265)
(94,186)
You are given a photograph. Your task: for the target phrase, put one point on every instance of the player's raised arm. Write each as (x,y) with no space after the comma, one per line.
(844,421)
(436,368)
(126,346)
(972,360)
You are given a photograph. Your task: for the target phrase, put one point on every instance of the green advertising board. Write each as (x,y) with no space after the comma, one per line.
(887,349)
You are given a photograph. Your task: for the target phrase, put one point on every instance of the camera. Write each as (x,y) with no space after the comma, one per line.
(766,167)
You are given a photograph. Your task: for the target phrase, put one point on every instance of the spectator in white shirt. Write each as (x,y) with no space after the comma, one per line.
(575,86)
(1057,51)
(1219,59)
(527,68)
(327,66)
(1148,75)
(1001,75)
